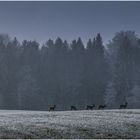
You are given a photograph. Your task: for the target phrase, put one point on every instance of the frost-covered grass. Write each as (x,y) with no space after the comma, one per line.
(70,124)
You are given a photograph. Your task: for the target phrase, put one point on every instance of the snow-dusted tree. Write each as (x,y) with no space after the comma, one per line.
(110,96)
(123,64)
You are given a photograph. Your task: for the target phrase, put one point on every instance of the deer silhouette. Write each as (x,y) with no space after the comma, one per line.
(52,108)
(101,106)
(90,107)
(73,107)
(123,106)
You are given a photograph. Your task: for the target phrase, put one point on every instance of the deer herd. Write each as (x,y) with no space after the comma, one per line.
(91,107)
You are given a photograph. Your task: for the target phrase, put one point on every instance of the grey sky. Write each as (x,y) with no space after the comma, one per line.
(69,20)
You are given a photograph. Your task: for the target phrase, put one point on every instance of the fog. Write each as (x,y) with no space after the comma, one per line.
(66,74)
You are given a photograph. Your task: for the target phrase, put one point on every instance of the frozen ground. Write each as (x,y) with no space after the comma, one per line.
(70,124)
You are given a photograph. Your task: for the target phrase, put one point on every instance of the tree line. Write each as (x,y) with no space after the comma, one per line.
(65,74)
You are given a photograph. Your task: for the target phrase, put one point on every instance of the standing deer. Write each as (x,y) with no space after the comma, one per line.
(73,107)
(90,107)
(52,108)
(101,106)
(123,106)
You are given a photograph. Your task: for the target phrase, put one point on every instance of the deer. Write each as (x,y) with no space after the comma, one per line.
(101,106)
(90,107)
(123,106)
(73,108)
(52,108)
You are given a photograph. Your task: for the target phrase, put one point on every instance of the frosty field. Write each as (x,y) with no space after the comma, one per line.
(70,124)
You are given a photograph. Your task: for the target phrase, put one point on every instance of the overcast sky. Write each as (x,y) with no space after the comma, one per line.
(69,20)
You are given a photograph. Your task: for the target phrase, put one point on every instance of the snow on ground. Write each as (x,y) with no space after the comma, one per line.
(70,124)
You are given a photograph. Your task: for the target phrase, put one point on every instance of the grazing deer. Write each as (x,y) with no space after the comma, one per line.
(101,106)
(90,107)
(52,108)
(73,108)
(123,106)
